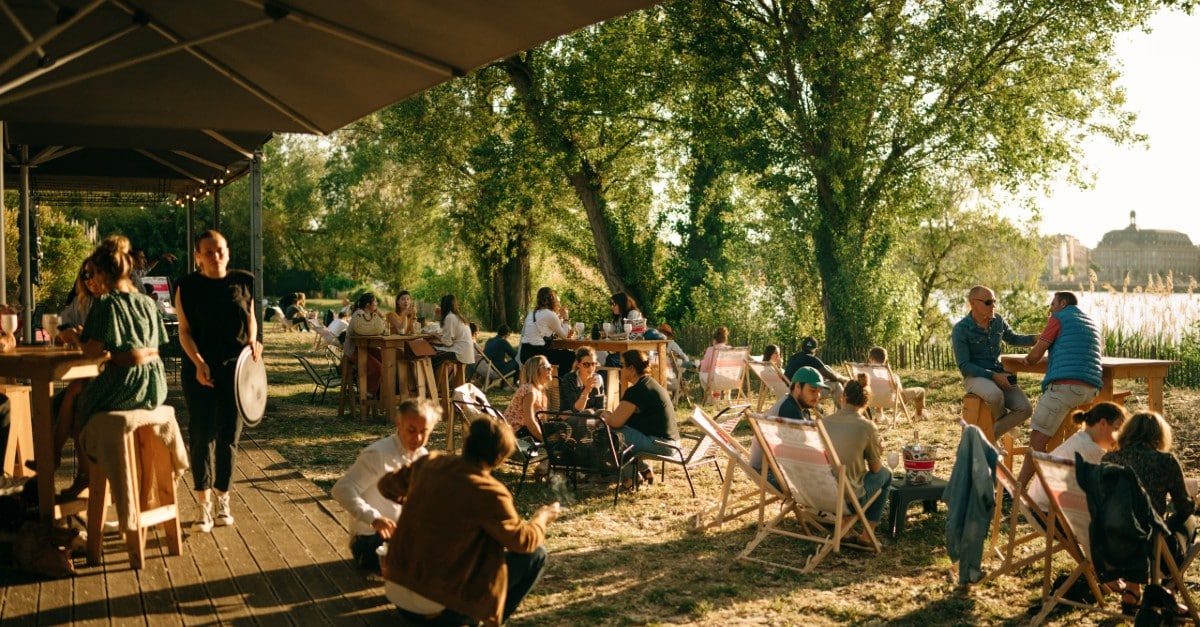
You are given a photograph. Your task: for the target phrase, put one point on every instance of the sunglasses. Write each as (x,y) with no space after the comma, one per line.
(989,301)
(587,364)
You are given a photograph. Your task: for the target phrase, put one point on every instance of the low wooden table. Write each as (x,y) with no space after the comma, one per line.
(901,495)
(43,366)
(658,365)
(1154,371)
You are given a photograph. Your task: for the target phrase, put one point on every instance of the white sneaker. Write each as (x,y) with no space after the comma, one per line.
(205,524)
(224,518)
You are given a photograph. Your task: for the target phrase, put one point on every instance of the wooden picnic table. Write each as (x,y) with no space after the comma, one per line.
(1154,371)
(43,366)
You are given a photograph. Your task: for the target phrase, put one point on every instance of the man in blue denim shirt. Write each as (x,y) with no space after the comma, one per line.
(976,339)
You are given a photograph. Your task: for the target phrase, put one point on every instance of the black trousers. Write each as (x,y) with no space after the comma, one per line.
(214,426)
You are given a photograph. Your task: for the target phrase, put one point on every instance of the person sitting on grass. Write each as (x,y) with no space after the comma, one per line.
(916,396)
(372,517)
(856,440)
(461,554)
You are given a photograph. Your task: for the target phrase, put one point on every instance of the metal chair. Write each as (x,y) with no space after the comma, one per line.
(320,383)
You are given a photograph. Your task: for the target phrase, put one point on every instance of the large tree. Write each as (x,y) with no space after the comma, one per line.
(858,101)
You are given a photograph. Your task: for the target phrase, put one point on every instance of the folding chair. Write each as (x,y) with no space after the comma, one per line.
(886,392)
(321,383)
(1069,507)
(325,337)
(471,403)
(770,380)
(737,456)
(727,375)
(490,373)
(677,381)
(1037,522)
(818,492)
(701,453)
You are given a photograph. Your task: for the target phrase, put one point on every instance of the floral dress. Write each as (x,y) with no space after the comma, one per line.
(124,322)
(513,414)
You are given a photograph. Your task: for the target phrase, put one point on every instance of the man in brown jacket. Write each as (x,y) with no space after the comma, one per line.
(455,514)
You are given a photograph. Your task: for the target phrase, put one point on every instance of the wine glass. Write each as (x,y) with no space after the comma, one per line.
(628,328)
(50,325)
(893,460)
(8,322)
(579,328)
(608,329)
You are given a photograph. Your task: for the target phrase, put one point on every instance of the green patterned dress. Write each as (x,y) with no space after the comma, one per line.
(124,322)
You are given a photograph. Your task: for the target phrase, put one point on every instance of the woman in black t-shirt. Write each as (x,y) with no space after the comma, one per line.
(216,321)
(645,415)
(582,389)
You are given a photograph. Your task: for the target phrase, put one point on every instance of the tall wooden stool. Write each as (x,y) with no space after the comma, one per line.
(138,456)
(450,374)
(19,447)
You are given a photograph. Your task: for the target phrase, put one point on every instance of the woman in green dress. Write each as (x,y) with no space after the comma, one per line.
(125,324)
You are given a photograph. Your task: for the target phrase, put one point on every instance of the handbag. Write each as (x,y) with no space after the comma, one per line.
(367,324)
(415,349)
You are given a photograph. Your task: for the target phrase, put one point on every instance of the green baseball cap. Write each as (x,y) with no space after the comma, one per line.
(809,375)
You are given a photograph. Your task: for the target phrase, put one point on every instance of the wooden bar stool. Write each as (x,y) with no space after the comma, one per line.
(450,375)
(19,447)
(137,462)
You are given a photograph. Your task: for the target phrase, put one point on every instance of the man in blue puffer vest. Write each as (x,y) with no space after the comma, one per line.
(1073,376)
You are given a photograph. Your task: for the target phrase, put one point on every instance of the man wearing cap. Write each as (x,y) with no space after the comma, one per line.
(807,358)
(807,387)
(976,340)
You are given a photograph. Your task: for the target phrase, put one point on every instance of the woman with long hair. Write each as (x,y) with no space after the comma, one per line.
(1097,437)
(456,341)
(622,305)
(366,321)
(530,397)
(216,322)
(545,323)
(582,389)
(402,321)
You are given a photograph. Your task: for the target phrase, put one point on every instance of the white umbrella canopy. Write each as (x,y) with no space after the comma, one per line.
(309,66)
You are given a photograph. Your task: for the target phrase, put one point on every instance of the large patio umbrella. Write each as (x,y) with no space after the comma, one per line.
(137,68)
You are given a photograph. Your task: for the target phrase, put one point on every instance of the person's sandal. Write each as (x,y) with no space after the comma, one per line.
(648,476)
(1130,602)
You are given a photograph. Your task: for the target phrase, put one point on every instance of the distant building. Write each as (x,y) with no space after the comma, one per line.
(1139,253)
(1068,260)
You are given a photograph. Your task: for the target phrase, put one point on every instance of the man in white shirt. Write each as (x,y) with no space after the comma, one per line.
(373,517)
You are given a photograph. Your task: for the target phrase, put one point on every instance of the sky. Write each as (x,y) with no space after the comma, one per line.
(1159,180)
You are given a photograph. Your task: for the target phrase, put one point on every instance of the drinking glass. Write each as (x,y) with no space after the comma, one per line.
(607,329)
(579,328)
(8,322)
(628,328)
(50,324)
(893,460)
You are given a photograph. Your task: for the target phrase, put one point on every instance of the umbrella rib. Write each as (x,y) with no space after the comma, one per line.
(45,37)
(200,160)
(229,143)
(445,70)
(153,157)
(103,41)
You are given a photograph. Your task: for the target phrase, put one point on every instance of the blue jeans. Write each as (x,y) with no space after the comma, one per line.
(875,482)
(641,443)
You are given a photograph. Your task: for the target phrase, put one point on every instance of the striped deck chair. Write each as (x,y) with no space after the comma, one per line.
(770,380)
(737,457)
(886,392)
(727,375)
(818,492)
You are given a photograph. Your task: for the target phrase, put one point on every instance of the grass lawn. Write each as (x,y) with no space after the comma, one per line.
(638,563)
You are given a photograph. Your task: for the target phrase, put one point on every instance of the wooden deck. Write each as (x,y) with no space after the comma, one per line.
(284,561)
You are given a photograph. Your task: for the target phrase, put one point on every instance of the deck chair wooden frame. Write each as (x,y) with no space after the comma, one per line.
(470,403)
(491,375)
(1068,506)
(886,390)
(1033,532)
(818,493)
(737,457)
(321,383)
(702,452)
(728,374)
(770,379)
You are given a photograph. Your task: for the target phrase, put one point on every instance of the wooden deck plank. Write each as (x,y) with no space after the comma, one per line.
(158,598)
(90,597)
(351,592)
(21,603)
(215,575)
(51,609)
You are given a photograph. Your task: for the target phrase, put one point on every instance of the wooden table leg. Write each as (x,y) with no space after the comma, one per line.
(360,353)
(1154,390)
(43,446)
(387,385)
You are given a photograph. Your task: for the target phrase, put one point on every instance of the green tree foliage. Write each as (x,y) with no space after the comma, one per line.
(64,248)
(860,102)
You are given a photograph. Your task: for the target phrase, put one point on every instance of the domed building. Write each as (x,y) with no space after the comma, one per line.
(1138,253)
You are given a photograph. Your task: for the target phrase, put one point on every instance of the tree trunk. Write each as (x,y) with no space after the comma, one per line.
(574,165)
